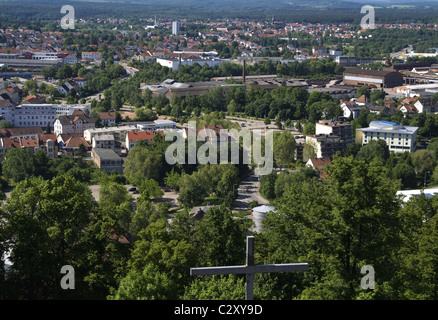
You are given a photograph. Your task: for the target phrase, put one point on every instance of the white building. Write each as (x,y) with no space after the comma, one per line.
(398,138)
(45,56)
(350,109)
(119,132)
(175,63)
(30,115)
(164,124)
(91,55)
(175,27)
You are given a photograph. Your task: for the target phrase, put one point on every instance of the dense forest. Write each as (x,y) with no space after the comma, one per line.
(303,11)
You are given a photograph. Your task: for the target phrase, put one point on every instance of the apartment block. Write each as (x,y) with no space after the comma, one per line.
(398,138)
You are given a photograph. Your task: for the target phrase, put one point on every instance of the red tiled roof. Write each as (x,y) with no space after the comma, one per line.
(75,142)
(29,142)
(134,136)
(107,115)
(10,143)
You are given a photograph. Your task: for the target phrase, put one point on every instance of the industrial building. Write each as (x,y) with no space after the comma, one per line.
(374,78)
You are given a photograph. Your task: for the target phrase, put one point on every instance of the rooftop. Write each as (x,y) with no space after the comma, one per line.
(386,126)
(106,153)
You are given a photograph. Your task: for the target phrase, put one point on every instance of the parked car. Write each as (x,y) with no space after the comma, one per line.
(132,189)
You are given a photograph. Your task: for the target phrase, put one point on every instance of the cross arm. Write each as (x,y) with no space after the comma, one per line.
(289,267)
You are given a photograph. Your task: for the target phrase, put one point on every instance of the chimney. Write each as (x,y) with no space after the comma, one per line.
(244,72)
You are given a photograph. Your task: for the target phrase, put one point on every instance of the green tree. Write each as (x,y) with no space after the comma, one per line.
(150,189)
(229,183)
(423,161)
(406,174)
(144,163)
(46,220)
(309,151)
(284,148)
(5,124)
(18,164)
(374,149)
(149,284)
(172,179)
(220,238)
(216,288)
(267,185)
(339,225)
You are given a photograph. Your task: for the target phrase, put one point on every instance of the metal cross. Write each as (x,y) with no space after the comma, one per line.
(249,269)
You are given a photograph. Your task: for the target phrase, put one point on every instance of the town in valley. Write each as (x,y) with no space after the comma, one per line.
(91,96)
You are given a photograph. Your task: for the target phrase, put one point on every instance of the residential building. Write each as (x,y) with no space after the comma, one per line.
(91,55)
(76,123)
(319,49)
(342,129)
(15,132)
(35,99)
(106,141)
(407,109)
(175,27)
(45,142)
(326,145)
(72,145)
(49,144)
(335,52)
(363,101)
(107,159)
(118,132)
(107,119)
(80,81)
(71,59)
(350,109)
(398,138)
(319,165)
(426,105)
(68,86)
(14,94)
(133,137)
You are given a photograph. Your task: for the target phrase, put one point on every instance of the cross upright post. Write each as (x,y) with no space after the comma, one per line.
(249,269)
(249,292)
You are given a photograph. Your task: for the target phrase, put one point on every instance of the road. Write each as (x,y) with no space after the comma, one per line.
(248,192)
(403,51)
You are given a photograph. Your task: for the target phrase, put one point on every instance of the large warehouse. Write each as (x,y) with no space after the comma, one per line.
(376,78)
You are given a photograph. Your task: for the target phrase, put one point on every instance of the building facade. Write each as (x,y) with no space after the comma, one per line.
(175,27)
(107,159)
(398,138)
(75,123)
(375,78)
(342,129)
(30,115)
